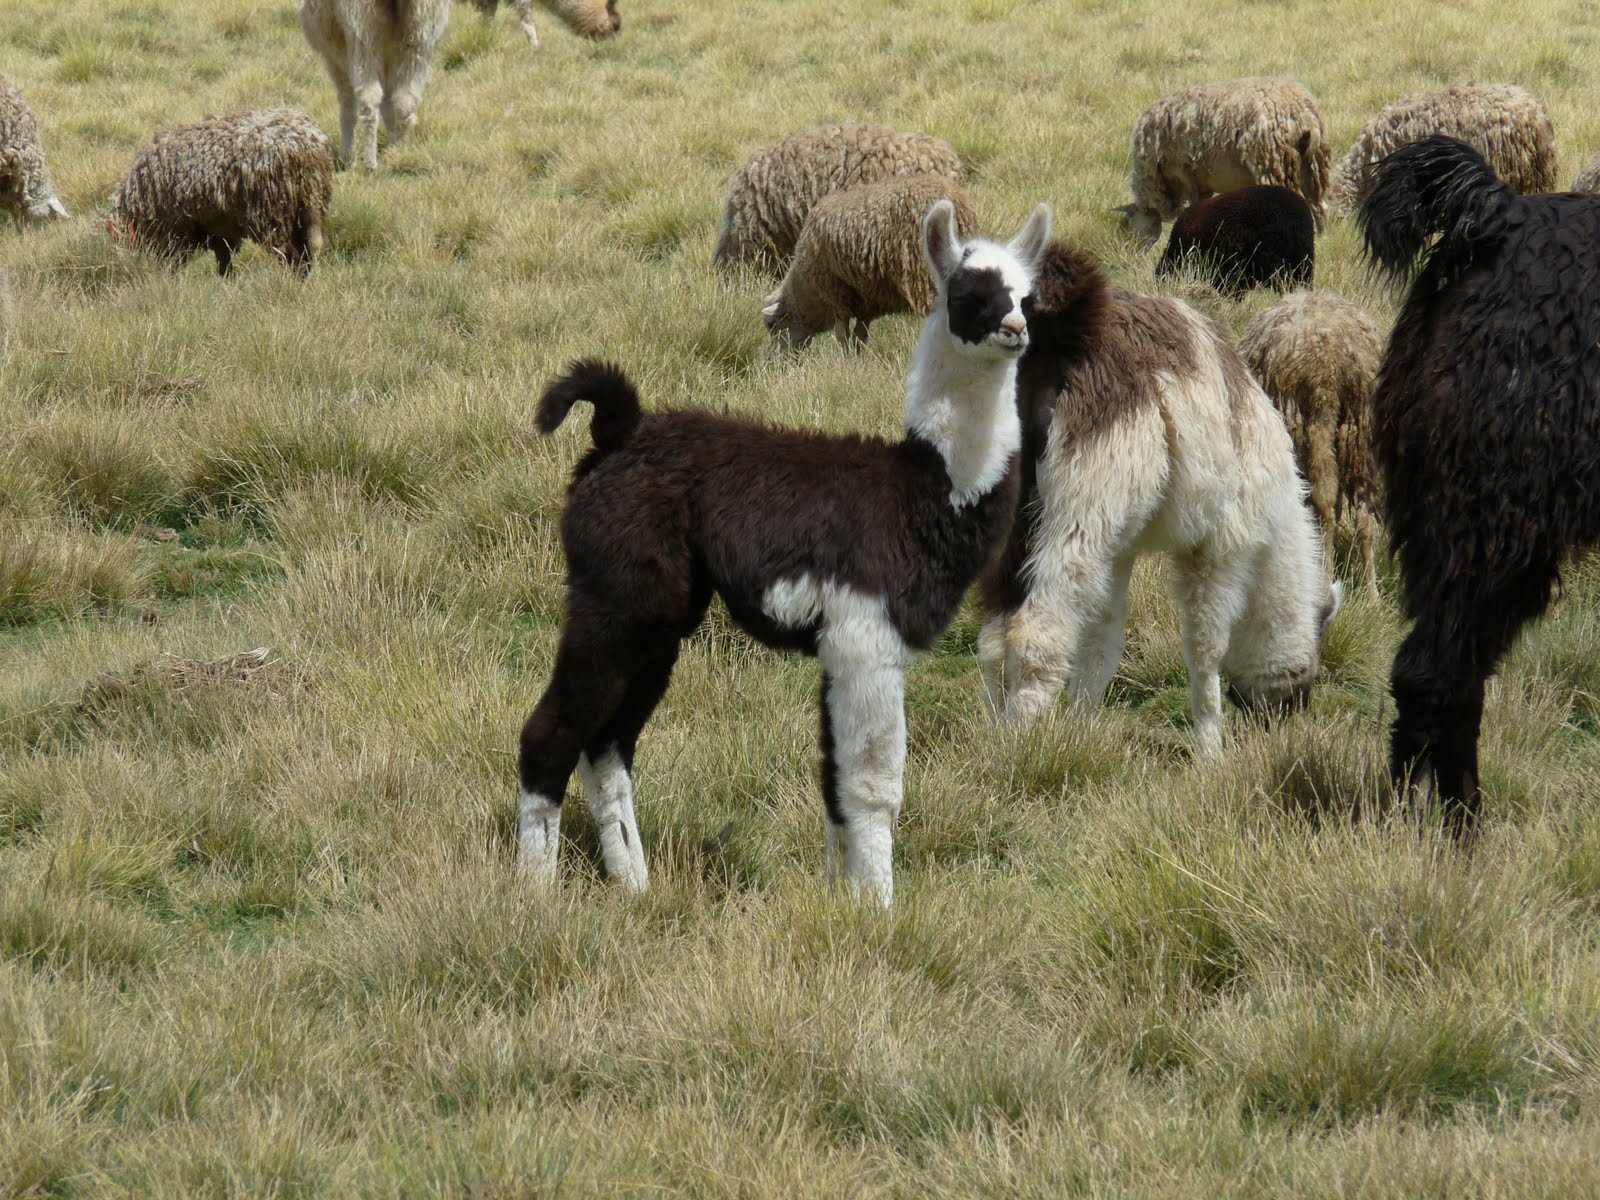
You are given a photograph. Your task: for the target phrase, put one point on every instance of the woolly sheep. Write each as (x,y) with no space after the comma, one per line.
(1316,354)
(860,257)
(1214,137)
(25,185)
(378,54)
(1501,121)
(1252,237)
(264,175)
(1588,179)
(596,19)
(770,196)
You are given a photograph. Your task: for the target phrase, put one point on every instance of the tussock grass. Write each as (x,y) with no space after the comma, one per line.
(260,933)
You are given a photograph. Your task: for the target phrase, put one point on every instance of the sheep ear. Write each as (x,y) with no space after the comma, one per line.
(1029,245)
(1330,607)
(941,243)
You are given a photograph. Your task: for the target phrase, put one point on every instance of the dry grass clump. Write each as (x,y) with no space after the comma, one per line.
(260,930)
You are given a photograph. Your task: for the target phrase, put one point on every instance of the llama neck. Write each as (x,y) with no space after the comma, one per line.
(964,405)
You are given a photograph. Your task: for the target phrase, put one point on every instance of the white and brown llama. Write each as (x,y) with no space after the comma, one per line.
(854,549)
(1143,432)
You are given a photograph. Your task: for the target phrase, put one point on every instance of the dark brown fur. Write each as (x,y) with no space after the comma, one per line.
(1262,236)
(672,508)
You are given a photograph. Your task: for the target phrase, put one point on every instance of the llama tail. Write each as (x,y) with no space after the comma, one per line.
(616,402)
(1438,185)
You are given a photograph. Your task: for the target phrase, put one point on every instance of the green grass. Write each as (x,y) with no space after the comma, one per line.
(263,936)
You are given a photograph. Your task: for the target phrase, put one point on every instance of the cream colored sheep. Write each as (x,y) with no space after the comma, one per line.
(378,54)
(860,257)
(264,175)
(1505,123)
(770,196)
(1215,137)
(25,185)
(1317,354)
(1588,179)
(596,19)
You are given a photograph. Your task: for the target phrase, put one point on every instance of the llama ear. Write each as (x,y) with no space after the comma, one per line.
(1029,245)
(941,243)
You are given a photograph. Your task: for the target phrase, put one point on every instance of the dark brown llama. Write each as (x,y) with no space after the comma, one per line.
(1486,431)
(853,549)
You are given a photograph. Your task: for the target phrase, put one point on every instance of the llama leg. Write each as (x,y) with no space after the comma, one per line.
(347,110)
(587,686)
(1041,636)
(1211,598)
(1100,646)
(368,95)
(607,773)
(864,750)
(863,740)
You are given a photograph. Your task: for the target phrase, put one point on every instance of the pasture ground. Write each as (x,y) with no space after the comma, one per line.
(260,931)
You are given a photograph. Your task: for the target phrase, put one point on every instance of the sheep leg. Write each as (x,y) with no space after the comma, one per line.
(606,770)
(1211,596)
(224,252)
(992,641)
(587,687)
(863,745)
(1100,646)
(1365,536)
(524,11)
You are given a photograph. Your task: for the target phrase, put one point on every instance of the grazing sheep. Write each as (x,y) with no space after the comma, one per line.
(263,175)
(378,54)
(854,549)
(1504,123)
(860,257)
(1253,237)
(1588,179)
(1215,137)
(1486,431)
(1316,354)
(770,196)
(1142,433)
(26,189)
(596,19)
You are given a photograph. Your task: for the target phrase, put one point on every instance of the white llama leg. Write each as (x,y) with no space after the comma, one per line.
(862,658)
(1211,597)
(538,836)
(1039,638)
(1100,645)
(610,791)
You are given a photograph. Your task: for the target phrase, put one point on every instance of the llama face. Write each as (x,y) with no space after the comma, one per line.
(1289,691)
(984,284)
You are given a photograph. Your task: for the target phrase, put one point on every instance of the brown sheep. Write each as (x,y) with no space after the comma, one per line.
(1316,354)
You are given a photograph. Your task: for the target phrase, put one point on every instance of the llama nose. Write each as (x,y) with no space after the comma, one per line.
(1014,324)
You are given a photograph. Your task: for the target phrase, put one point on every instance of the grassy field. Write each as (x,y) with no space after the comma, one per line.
(260,929)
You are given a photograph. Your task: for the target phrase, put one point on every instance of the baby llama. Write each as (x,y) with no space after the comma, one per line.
(853,549)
